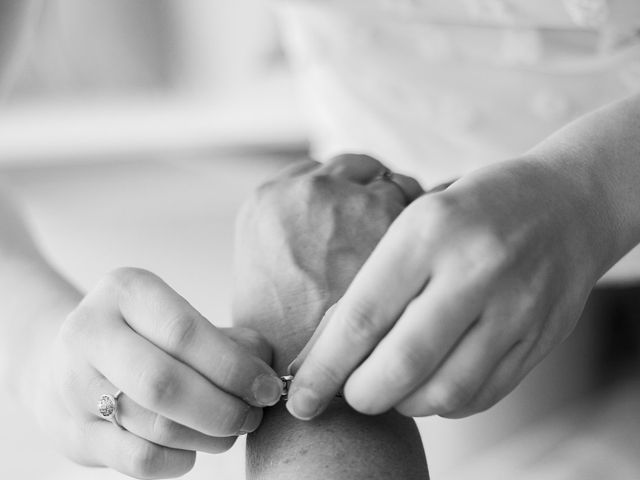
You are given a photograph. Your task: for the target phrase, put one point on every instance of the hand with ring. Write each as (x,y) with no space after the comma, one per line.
(139,381)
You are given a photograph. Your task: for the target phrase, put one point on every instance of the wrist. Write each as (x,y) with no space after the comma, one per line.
(31,318)
(287,323)
(595,160)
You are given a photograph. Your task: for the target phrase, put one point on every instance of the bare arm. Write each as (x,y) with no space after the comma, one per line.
(299,243)
(35,301)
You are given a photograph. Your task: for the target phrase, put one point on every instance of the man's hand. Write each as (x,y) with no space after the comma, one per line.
(302,238)
(300,242)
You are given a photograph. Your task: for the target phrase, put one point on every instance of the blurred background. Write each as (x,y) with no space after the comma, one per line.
(133,133)
(110,78)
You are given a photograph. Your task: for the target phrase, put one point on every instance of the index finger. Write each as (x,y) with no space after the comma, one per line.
(394,274)
(158,313)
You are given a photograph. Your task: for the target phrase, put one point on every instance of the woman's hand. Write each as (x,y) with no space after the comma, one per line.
(469,289)
(187,385)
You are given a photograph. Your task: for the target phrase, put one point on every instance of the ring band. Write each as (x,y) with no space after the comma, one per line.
(286,385)
(388,176)
(108,407)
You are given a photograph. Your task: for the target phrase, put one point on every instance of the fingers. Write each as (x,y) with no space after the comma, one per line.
(143,422)
(488,363)
(365,170)
(133,455)
(99,443)
(430,327)
(158,382)
(356,168)
(159,314)
(401,187)
(394,274)
(514,367)
(461,375)
(409,185)
(505,377)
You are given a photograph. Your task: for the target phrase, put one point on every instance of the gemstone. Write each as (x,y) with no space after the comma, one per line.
(106,406)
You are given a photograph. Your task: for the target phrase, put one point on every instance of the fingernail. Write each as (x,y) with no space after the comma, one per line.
(303,404)
(267,390)
(252,422)
(293,366)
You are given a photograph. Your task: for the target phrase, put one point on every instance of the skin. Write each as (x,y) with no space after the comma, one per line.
(514,233)
(135,332)
(316,246)
(472,287)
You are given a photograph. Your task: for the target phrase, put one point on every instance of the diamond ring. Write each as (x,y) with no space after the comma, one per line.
(108,407)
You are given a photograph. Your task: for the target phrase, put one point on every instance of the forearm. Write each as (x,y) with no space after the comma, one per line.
(35,300)
(341,444)
(598,158)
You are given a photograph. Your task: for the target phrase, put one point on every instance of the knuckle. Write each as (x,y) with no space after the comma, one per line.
(490,249)
(180,332)
(405,368)
(427,219)
(446,398)
(165,431)
(325,372)
(490,395)
(159,384)
(310,187)
(361,322)
(75,326)
(438,207)
(147,460)
(483,253)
